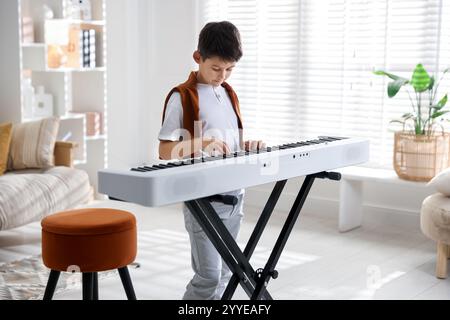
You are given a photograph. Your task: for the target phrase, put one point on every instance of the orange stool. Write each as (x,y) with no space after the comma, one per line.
(90,240)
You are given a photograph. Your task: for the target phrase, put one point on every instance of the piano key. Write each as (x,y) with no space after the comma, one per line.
(159,166)
(147,168)
(211,158)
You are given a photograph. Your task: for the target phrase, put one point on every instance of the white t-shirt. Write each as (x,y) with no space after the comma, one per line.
(216,114)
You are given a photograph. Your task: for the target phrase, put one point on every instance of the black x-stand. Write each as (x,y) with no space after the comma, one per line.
(253,282)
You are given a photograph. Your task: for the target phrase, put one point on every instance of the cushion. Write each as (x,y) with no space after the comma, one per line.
(89,221)
(33,143)
(94,239)
(5,139)
(441,182)
(435,217)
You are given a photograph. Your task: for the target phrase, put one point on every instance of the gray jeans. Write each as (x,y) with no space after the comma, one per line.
(211,274)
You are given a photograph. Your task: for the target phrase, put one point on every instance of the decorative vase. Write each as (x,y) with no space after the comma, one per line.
(81,9)
(44,104)
(55,56)
(29,101)
(420,157)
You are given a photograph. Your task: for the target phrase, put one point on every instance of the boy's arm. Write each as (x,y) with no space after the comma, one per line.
(185,149)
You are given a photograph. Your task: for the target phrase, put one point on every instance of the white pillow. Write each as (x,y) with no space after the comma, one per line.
(33,144)
(441,182)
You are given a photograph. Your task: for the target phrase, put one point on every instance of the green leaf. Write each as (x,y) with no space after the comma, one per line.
(397,121)
(441,103)
(438,114)
(390,75)
(420,79)
(407,116)
(394,86)
(431,85)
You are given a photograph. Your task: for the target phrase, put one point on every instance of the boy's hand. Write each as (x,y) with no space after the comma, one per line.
(253,145)
(215,147)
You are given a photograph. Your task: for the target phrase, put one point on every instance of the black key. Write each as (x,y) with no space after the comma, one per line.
(326,139)
(159,166)
(147,168)
(138,169)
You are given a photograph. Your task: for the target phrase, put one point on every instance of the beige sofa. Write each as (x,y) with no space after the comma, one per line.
(29,195)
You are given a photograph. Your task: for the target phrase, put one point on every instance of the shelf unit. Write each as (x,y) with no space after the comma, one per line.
(75,91)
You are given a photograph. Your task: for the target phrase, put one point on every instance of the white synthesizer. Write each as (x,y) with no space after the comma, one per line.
(190,179)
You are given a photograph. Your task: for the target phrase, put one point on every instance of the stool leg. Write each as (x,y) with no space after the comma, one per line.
(51,284)
(88,285)
(126,281)
(95,286)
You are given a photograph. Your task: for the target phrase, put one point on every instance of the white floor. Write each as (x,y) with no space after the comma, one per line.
(372,262)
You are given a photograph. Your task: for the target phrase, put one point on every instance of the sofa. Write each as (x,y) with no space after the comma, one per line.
(28,195)
(435,219)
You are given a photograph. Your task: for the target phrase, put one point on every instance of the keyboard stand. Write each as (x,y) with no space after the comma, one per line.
(253,282)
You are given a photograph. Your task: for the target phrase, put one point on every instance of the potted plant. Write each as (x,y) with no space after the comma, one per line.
(421,148)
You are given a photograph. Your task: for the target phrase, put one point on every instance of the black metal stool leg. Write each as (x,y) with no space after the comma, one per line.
(88,285)
(126,281)
(51,284)
(95,289)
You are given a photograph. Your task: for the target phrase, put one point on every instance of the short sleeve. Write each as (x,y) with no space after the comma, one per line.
(173,119)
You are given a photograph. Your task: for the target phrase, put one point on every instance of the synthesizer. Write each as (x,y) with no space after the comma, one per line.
(183,180)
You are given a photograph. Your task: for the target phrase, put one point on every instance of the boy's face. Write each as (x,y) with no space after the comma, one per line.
(214,70)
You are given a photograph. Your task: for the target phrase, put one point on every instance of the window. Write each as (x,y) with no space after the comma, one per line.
(307,65)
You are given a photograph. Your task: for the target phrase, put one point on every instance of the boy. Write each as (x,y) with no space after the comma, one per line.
(205,109)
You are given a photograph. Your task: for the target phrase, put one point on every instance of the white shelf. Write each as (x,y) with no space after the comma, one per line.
(77,90)
(97,137)
(34,56)
(87,22)
(99,69)
(33,45)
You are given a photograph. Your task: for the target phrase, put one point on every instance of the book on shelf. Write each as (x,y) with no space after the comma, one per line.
(81,48)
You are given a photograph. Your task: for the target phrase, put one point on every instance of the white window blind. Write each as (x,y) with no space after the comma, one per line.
(307,65)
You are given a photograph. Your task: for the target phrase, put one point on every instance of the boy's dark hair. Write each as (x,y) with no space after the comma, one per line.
(221,39)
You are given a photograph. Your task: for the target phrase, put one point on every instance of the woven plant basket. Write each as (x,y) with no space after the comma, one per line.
(420,158)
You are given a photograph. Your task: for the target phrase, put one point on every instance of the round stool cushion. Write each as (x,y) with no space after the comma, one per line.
(435,217)
(92,239)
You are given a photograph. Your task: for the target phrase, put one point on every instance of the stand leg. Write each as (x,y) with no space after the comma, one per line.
(269,269)
(224,243)
(256,234)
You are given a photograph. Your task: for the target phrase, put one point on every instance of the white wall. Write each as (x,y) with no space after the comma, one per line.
(9,62)
(150,45)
